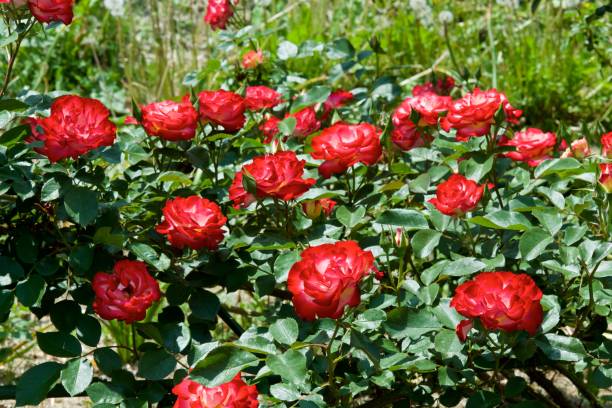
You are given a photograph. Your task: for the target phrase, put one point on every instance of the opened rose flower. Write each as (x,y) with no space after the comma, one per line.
(48,11)
(457,195)
(532,146)
(126,293)
(223,108)
(261,97)
(170,120)
(233,394)
(218,13)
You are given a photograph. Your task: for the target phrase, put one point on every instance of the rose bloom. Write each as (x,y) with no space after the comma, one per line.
(315,208)
(252,59)
(336,100)
(306,123)
(223,108)
(47,11)
(457,195)
(192,222)
(501,300)
(75,126)
(474,114)
(261,97)
(606,145)
(276,175)
(233,394)
(326,279)
(533,146)
(343,145)
(407,137)
(126,294)
(579,149)
(269,128)
(218,13)
(443,86)
(16,3)
(428,105)
(605,178)
(170,120)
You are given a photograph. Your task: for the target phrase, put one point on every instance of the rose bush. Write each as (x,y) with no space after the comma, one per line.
(277,241)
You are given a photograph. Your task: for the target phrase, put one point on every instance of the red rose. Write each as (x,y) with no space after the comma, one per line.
(605,178)
(261,97)
(76,126)
(326,279)
(343,145)
(193,222)
(579,149)
(336,100)
(170,120)
(306,122)
(223,108)
(533,146)
(218,13)
(463,328)
(457,195)
(233,394)
(276,175)
(126,294)
(314,208)
(270,128)
(501,300)
(474,114)
(252,59)
(443,86)
(429,106)
(606,145)
(47,11)
(407,137)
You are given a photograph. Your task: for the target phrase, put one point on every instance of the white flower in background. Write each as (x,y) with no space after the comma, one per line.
(115,7)
(422,11)
(445,17)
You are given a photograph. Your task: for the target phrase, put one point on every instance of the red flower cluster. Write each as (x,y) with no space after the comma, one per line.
(275,175)
(326,279)
(193,222)
(223,108)
(47,11)
(261,97)
(306,123)
(457,195)
(315,208)
(218,13)
(533,146)
(501,300)
(606,145)
(126,294)
(443,86)
(343,145)
(252,59)
(336,100)
(76,126)
(170,120)
(234,394)
(474,114)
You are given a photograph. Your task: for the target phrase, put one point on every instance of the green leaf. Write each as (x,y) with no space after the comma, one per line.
(287,126)
(156,365)
(403,322)
(316,94)
(14,135)
(291,366)
(31,290)
(11,270)
(89,330)
(59,344)
(350,219)
(483,399)
(285,331)
(81,205)
(176,336)
(533,243)
(283,264)
(556,166)
(35,383)
(371,319)
(50,190)
(150,256)
(563,348)
(221,365)
(284,392)
(552,313)
(551,219)
(502,219)
(409,219)
(102,393)
(77,376)
(65,315)
(204,305)
(286,50)
(447,343)
(107,360)
(424,242)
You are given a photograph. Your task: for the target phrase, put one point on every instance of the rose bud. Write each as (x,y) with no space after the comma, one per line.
(252,59)
(233,394)
(463,329)
(326,279)
(407,137)
(192,222)
(270,128)
(336,100)
(579,149)
(501,300)
(276,175)
(261,97)
(606,145)
(343,145)
(170,120)
(48,11)
(457,195)
(533,146)
(315,208)
(223,108)
(474,114)
(126,294)
(75,126)
(605,178)
(218,13)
